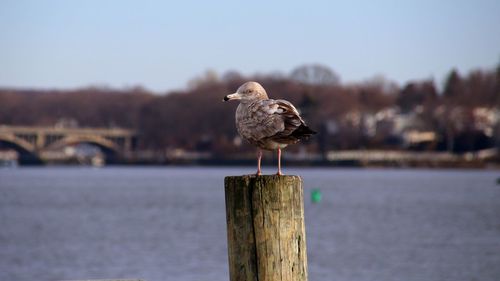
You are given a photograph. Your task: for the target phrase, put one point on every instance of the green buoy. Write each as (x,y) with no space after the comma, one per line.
(315,195)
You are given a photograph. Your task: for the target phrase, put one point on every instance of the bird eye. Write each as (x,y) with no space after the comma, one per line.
(249,91)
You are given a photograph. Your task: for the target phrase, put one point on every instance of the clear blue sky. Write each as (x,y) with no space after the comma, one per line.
(161,44)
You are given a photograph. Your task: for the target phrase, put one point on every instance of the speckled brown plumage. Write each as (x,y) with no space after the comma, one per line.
(266,123)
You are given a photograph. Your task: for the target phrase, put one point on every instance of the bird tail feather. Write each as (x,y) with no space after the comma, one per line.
(303,132)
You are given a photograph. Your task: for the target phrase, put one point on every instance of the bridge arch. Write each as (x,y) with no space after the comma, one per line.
(26,151)
(18,142)
(108,146)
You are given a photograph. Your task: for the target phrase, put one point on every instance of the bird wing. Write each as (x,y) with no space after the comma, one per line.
(275,119)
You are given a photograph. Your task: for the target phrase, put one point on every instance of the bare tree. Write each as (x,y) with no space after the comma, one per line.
(315,74)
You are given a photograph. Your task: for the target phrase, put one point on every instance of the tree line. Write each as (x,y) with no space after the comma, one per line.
(197,119)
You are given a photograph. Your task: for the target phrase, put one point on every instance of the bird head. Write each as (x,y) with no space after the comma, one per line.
(248,92)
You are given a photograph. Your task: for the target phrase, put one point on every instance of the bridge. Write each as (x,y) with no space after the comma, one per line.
(32,142)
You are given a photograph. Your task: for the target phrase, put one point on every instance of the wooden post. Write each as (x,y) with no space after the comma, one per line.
(265,228)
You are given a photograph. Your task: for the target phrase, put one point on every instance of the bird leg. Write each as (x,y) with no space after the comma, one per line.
(259,157)
(279,163)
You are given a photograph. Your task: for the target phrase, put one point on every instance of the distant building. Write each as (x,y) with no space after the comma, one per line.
(408,129)
(66,123)
(486,119)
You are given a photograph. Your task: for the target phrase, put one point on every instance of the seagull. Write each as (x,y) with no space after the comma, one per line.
(266,123)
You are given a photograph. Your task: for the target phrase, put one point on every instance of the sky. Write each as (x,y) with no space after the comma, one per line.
(161,45)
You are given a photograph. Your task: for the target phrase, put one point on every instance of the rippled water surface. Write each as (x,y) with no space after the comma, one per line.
(169,224)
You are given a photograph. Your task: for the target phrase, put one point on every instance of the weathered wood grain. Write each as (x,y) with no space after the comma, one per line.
(265,228)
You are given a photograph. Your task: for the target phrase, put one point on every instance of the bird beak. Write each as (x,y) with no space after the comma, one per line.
(235,96)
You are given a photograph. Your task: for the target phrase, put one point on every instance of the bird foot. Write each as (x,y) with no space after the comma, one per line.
(258,173)
(279,173)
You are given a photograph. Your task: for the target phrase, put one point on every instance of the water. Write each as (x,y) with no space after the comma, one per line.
(169,224)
